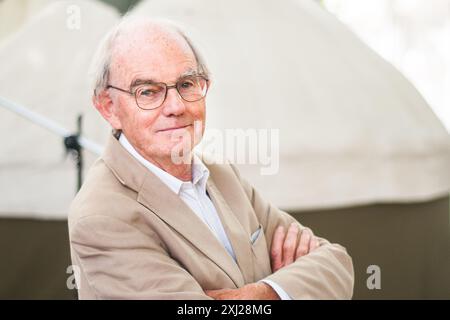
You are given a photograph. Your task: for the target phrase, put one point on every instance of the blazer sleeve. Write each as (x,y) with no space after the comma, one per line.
(325,273)
(111,252)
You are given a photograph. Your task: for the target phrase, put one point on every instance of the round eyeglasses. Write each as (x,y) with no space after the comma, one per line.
(152,95)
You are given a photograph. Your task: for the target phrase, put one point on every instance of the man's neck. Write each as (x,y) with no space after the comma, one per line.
(181,171)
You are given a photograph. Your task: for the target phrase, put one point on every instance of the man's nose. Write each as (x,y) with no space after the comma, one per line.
(174,104)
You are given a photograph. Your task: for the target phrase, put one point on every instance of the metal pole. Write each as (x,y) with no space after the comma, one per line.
(74,143)
(80,153)
(49,125)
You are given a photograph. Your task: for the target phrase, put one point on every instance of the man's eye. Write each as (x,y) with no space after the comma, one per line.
(150,92)
(147,93)
(187,84)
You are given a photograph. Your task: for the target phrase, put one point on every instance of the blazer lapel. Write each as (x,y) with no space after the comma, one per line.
(157,197)
(236,234)
(162,201)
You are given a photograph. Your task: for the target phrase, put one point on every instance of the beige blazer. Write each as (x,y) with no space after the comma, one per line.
(131,237)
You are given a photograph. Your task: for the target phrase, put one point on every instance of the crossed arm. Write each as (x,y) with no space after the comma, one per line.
(104,246)
(311,268)
(307,268)
(284,251)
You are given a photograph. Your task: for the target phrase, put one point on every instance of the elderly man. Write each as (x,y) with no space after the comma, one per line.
(146,225)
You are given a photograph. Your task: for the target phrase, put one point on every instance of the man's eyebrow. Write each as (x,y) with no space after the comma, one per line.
(189,72)
(137,82)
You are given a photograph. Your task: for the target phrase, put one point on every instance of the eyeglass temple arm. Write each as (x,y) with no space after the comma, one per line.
(123,90)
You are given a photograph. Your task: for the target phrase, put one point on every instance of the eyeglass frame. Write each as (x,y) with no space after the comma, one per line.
(167,87)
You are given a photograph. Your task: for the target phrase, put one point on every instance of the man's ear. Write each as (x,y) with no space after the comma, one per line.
(209,83)
(104,104)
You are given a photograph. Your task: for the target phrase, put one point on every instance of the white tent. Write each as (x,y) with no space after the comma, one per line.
(44,66)
(352,129)
(14,13)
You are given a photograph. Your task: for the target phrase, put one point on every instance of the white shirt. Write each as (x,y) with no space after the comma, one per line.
(194,194)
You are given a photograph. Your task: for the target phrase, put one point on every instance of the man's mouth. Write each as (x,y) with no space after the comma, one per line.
(174,128)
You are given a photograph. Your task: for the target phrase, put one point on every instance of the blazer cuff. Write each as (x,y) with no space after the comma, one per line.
(281,293)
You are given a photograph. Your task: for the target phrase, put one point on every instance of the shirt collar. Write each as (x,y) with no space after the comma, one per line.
(200,173)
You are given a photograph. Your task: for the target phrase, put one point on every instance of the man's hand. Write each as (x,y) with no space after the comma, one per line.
(253,291)
(285,250)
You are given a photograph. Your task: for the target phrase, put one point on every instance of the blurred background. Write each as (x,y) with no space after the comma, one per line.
(359,91)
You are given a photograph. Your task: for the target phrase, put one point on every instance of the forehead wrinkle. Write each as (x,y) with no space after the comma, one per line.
(133,48)
(145,80)
(150,37)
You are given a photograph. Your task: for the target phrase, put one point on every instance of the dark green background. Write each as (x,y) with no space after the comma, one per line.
(410,243)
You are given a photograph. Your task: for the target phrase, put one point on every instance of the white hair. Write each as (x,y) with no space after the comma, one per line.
(101,64)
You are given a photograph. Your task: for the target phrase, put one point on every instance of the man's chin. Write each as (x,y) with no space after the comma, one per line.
(178,151)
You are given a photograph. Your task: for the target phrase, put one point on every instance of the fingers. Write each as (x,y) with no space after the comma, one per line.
(285,248)
(276,251)
(314,244)
(290,244)
(304,243)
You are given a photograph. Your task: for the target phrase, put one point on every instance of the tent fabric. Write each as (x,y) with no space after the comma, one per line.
(45,68)
(352,129)
(13,13)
